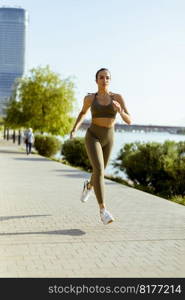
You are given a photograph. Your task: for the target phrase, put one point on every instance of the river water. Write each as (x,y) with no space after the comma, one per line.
(123,137)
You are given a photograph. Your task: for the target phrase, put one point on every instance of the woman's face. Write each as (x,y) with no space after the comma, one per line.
(103,79)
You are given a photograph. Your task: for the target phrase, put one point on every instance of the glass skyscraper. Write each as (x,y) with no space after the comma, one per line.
(12,49)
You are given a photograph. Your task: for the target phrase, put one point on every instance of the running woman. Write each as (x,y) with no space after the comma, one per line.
(99,137)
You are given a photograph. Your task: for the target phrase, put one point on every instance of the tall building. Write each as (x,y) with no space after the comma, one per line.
(13,22)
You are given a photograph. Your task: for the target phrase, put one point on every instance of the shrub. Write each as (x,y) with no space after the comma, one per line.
(75,153)
(47,145)
(155,167)
(178,199)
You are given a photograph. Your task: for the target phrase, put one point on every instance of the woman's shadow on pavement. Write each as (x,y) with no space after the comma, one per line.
(71,232)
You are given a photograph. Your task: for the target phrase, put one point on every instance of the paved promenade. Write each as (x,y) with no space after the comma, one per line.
(45,231)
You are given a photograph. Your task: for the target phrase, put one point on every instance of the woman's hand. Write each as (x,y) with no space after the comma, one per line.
(72,134)
(117,106)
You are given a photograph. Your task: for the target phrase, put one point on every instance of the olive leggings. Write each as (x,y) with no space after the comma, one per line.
(98,142)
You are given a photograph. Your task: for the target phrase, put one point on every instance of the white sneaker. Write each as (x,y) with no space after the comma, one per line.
(106,217)
(86,192)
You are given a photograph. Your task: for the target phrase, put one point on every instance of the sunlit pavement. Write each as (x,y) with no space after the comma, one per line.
(45,231)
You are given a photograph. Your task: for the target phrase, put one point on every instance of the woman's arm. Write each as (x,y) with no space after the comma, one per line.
(81,116)
(122,109)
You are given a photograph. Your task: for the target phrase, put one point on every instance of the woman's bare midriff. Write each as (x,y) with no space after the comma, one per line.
(103,122)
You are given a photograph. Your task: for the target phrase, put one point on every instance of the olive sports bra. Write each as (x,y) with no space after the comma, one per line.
(102,111)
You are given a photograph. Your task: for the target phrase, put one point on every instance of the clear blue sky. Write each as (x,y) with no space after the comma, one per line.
(142,42)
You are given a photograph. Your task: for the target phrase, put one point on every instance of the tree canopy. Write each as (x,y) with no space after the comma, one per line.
(43,101)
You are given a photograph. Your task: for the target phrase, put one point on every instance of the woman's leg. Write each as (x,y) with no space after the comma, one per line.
(99,157)
(27,150)
(95,154)
(106,155)
(107,152)
(30,146)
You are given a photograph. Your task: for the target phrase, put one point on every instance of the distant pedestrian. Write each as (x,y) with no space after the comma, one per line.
(99,137)
(29,140)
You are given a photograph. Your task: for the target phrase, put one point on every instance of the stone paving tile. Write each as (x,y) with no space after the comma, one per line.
(46,232)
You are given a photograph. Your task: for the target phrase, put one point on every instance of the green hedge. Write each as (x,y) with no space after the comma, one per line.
(74,152)
(154,167)
(47,145)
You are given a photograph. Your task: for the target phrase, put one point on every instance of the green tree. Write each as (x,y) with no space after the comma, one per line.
(42,101)
(14,117)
